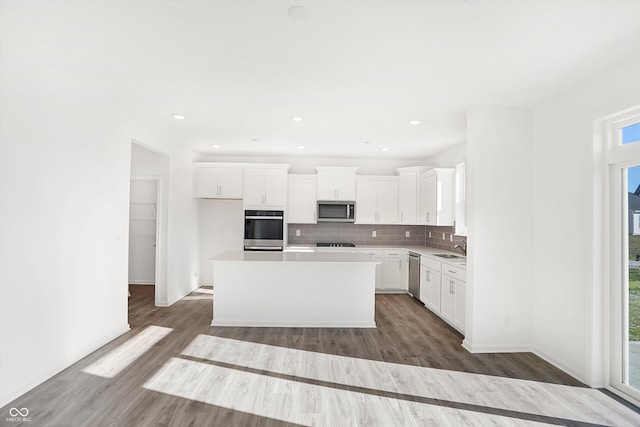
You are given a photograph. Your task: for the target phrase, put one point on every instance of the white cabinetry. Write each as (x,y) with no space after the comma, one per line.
(408,182)
(336,183)
(302,202)
(377,200)
(265,186)
(454,295)
(430,284)
(394,265)
(217,181)
(461,200)
(436,197)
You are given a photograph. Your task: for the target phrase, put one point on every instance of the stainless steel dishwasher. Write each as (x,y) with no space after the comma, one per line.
(414,275)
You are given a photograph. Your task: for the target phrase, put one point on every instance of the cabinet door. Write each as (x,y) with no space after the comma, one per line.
(346,187)
(460,201)
(448,306)
(461,305)
(408,198)
(327,186)
(275,184)
(218,183)
(302,201)
(388,202)
(428,198)
(207,183)
(366,202)
(392,273)
(230,180)
(433,284)
(254,187)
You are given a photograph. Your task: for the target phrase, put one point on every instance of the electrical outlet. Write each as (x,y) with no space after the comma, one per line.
(444,237)
(407,234)
(373,233)
(451,238)
(429,234)
(297,233)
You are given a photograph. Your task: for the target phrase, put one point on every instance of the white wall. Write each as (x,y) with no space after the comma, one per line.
(499,208)
(569,323)
(449,158)
(183,227)
(221,229)
(64,201)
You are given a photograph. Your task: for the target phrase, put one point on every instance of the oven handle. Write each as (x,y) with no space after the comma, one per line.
(263,217)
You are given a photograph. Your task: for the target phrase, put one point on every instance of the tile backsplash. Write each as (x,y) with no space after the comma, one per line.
(360,234)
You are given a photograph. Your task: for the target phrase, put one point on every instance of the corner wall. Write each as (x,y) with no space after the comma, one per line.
(569,288)
(499,185)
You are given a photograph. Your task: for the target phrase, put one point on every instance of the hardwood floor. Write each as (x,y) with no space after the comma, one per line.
(174,369)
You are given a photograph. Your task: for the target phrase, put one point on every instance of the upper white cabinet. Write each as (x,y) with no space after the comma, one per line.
(265,186)
(217,181)
(408,182)
(461,200)
(377,200)
(336,183)
(302,201)
(436,197)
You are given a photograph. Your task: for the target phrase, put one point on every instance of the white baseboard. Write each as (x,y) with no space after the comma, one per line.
(170,303)
(142,282)
(11,393)
(495,348)
(293,324)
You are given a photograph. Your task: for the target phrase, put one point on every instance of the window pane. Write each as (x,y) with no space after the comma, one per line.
(631,134)
(632,288)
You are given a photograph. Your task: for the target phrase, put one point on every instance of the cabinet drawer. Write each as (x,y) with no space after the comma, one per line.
(430,263)
(453,271)
(378,253)
(393,253)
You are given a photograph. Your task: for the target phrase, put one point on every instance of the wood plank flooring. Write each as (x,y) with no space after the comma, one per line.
(174,369)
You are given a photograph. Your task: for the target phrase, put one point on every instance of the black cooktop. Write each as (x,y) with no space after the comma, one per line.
(335,245)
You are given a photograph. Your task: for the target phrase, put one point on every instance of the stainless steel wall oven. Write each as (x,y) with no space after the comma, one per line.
(263,230)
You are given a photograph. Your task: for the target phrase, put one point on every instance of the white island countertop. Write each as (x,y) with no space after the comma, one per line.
(297,256)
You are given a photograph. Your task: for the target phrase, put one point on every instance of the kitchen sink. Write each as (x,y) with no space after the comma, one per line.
(449,256)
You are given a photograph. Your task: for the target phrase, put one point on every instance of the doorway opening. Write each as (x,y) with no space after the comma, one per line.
(624,247)
(148,213)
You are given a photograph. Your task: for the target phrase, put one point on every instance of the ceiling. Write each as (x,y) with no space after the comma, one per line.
(357,71)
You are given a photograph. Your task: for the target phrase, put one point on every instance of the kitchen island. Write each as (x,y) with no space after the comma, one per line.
(294,289)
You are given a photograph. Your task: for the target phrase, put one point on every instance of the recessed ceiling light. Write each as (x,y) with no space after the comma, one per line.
(297,118)
(366,142)
(254,139)
(414,122)
(300,147)
(384,149)
(179,117)
(215,146)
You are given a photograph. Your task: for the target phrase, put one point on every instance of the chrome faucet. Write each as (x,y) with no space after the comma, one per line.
(462,247)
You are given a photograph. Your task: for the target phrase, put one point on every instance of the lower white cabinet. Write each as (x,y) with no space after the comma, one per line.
(393,277)
(454,295)
(430,288)
(443,290)
(391,272)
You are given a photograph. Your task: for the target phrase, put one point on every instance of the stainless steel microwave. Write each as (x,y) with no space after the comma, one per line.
(336,211)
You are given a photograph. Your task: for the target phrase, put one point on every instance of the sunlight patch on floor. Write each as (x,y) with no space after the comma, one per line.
(303,403)
(530,397)
(119,358)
